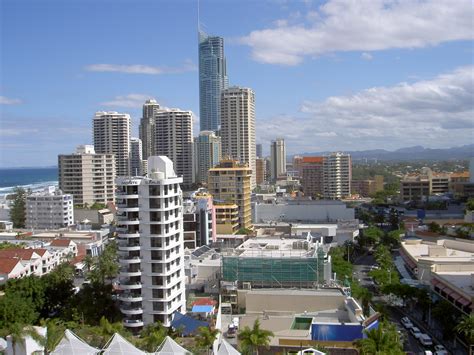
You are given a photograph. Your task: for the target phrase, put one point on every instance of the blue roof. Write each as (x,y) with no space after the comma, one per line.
(187,325)
(202,309)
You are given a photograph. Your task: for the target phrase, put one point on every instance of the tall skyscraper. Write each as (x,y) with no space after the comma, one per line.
(277,158)
(212,80)
(259,151)
(229,183)
(136,161)
(207,154)
(146,128)
(150,245)
(88,176)
(174,139)
(337,170)
(112,136)
(238,127)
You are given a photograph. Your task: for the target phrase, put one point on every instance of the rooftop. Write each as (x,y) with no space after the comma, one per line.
(460,279)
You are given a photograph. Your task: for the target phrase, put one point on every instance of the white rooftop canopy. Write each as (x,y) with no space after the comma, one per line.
(226,349)
(71,344)
(118,345)
(170,347)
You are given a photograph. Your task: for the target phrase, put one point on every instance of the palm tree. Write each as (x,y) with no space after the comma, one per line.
(205,338)
(19,331)
(152,336)
(251,339)
(466,328)
(383,340)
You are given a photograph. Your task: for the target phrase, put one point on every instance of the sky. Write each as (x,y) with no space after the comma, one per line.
(332,75)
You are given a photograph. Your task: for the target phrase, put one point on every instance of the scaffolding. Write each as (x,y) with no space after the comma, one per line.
(274,271)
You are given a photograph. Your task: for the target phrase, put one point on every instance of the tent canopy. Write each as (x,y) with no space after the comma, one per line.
(170,347)
(71,344)
(226,349)
(118,345)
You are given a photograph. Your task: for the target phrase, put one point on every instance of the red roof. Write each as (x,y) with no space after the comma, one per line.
(312,159)
(24,254)
(61,243)
(40,251)
(204,302)
(8,264)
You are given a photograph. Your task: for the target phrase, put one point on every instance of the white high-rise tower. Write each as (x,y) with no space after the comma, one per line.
(151,245)
(238,127)
(112,136)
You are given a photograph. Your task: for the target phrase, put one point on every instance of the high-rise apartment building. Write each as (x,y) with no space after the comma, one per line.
(259,151)
(112,136)
(207,154)
(212,80)
(199,220)
(136,161)
(88,176)
(277,158)
(150,244)
(147,129)
(312,177)
(260,171)
(337,175)
(238,127)
(49,209)
(229,183)
(174,139)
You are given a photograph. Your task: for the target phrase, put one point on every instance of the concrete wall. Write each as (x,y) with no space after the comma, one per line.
(318,212)
(257,302)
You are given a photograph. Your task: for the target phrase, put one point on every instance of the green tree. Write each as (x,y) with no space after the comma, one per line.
(392,239)
(251,338)
(470,204)
(383,340)
(15,309)
(372,236)
(205,338)
(19,331)
(466,328)
(18,207)
(152,336)
(363,295)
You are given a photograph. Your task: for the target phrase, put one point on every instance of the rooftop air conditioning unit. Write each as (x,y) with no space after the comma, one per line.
(246,286)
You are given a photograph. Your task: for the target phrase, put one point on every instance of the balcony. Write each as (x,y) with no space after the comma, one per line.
(130,297)
(126,272)
(130,285)
(132,323)
(128,247)
(131,310)
(129,260)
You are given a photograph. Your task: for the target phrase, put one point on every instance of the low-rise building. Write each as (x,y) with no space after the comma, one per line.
(446,266)
(50,209)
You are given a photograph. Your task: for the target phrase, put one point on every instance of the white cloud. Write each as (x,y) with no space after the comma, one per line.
(363,25)
(436,113)
(11,132)
(130,101)
(366,56)
(9,101)
(142,69)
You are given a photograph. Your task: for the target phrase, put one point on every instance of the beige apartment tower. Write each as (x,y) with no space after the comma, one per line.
(277,158)
(147,128)
(229,183)
(174,139)
(88,176)
(337,176)
(112,136)
(238,127)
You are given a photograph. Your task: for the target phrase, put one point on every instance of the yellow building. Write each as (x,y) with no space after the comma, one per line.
(229,183)
(227,218)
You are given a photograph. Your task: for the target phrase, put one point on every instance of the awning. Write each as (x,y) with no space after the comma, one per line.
(464,301)
(434,281)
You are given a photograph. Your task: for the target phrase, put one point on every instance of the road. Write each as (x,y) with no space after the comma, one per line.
(362,266)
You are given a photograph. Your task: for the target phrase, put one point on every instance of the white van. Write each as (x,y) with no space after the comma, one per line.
(425,340)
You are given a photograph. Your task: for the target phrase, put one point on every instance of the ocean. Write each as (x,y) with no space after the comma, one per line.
(28,178)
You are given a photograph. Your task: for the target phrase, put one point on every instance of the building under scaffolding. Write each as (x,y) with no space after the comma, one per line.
(277,263)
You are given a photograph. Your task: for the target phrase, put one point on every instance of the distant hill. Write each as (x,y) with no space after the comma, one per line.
(410,153)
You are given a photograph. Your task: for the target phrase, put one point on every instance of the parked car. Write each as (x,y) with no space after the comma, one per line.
(440,350)
(415,332)
(425,340)
(406,322)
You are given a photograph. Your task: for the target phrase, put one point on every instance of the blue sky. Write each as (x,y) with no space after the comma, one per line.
(328,75)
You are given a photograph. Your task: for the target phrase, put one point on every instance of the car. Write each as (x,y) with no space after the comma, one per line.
(425,340)
(440,350)
(415,332)
(406,322)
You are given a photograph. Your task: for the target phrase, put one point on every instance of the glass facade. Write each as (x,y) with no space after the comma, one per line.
(212,80)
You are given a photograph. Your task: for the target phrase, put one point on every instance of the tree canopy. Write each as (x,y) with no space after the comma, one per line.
(18,207)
